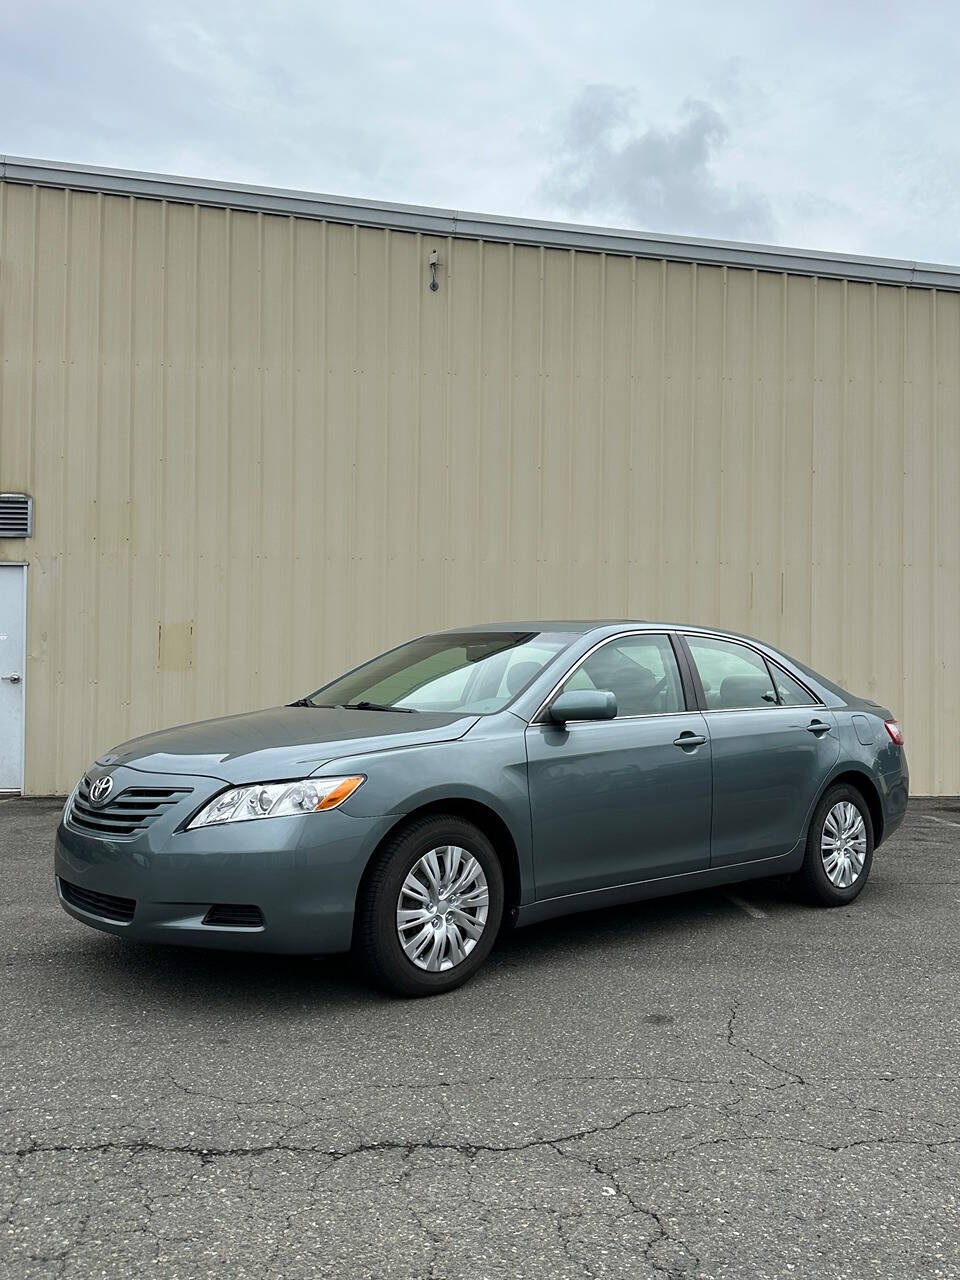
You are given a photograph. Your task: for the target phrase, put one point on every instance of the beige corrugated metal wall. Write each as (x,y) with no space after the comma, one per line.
(262,449)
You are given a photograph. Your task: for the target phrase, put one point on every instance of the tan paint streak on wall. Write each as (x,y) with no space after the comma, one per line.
(175,646)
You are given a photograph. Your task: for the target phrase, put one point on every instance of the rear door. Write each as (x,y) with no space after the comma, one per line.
(617,801)
(772,746)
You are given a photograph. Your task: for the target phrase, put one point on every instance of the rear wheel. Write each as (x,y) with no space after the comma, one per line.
(839,850)
(431,907)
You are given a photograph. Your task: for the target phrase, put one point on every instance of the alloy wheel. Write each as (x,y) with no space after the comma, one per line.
(442,908)
(843,844)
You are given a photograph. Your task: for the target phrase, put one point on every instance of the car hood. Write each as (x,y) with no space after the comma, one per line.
(282,742)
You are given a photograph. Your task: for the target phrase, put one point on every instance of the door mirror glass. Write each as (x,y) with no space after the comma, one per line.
(583,704)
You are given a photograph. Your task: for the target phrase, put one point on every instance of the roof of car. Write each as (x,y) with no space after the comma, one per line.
(578,626)
(583,626)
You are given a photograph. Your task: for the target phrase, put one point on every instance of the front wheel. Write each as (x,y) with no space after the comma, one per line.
(839,848)
(431,907)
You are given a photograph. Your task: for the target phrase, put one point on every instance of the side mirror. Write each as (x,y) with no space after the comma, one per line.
(583,704)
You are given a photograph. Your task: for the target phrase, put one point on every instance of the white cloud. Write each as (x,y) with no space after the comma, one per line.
(826,126)
(658,178)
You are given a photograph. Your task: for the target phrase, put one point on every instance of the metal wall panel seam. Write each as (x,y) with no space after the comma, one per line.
(934,628)
(63,707)
(223,552)
(629,559)
(197,611)
(96,622)
(447,427)
(510,478)
(661,431)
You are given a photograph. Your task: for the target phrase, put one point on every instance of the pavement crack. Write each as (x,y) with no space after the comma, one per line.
(793,1077)
(142,1146)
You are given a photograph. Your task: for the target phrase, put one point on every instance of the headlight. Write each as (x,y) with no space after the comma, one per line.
(276,800)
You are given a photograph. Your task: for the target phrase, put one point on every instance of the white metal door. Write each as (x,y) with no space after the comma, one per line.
(13,605)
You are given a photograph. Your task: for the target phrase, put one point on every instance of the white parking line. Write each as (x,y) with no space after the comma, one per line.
(946,821)
(748,907)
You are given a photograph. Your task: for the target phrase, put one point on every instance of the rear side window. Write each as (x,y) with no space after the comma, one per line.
(791,692)
(733,676)
(640,671)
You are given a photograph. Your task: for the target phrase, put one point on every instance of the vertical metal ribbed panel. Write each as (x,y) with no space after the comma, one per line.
(261,449)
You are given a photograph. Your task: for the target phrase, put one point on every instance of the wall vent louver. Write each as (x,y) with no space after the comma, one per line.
(16,515)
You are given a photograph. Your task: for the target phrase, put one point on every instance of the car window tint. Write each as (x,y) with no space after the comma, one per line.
(732,675)
(466,673)
(640,671)
(522,666)
(791,692)
(441,675)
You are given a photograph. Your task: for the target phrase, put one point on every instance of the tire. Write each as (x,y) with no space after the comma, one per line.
(389,889)
(824,877)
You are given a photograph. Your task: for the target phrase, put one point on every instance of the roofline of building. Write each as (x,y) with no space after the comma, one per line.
(475,226)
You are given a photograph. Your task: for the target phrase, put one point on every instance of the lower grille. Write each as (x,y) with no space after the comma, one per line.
(127,814)
(105,905)
(235,915)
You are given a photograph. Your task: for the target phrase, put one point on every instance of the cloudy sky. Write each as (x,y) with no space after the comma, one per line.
(824,125)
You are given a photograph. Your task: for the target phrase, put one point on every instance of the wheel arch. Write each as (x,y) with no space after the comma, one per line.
(861,781)
(481,816)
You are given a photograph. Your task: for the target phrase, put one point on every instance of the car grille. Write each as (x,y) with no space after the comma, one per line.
(105,905)
(127,813)
(235,916)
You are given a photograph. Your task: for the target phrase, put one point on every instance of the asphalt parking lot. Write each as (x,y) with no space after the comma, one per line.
(704,1086)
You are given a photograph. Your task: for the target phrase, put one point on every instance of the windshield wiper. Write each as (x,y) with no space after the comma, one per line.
(307,702)
(365,705)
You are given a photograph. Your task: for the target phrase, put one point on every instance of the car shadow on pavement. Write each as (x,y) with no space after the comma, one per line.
(285,984)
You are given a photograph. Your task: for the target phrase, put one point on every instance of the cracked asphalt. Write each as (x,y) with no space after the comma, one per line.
(698,1086)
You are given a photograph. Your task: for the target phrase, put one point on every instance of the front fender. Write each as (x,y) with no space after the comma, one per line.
(488,770)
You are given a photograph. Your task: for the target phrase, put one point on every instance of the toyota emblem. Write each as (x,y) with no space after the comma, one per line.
(101,789)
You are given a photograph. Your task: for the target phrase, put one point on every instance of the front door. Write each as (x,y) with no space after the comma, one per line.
(12,611)
(619,801)
(772,743)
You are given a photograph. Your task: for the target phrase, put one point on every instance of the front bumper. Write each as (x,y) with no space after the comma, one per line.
(302,872)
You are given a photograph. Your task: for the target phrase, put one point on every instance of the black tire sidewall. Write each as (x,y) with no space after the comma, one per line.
(814,873)
(392,966)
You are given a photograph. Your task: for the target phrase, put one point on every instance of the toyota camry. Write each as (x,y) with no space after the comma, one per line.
(493,774)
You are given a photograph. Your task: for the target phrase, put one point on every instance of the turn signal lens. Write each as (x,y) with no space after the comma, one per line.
(342,791)
(895,732)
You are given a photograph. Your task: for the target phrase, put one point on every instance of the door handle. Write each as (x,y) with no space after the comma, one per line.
(818,727)
(689,740)
(14,677)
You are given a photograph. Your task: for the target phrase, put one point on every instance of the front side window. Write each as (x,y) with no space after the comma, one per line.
(733,676)
(473,673)
(640,671)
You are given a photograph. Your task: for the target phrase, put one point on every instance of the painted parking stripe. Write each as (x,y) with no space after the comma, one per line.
(748,907)
(946,821)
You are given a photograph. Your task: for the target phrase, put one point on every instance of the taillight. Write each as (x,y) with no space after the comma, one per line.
(895,732)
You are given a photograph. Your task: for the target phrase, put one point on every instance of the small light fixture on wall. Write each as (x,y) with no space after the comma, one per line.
(434,263)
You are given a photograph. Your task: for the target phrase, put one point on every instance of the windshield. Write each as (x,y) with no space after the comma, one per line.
(473,673)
